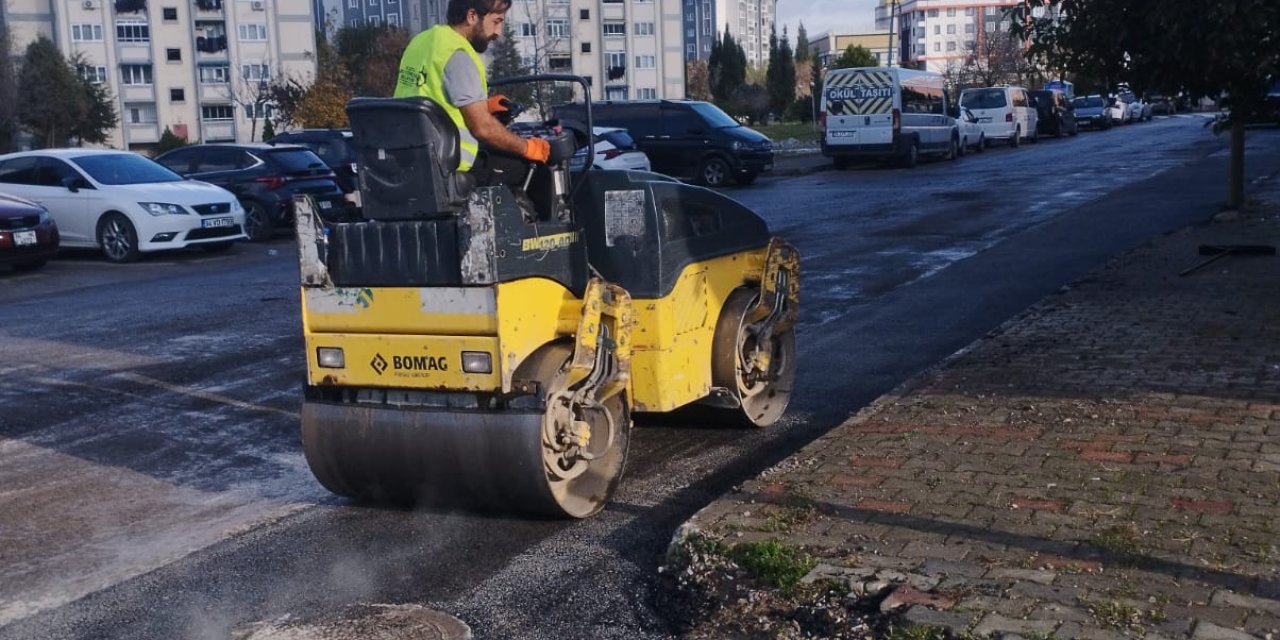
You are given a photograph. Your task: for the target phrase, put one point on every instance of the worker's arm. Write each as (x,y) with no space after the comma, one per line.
(490,132)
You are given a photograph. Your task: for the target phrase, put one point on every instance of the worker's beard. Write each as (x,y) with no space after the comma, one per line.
(478,40)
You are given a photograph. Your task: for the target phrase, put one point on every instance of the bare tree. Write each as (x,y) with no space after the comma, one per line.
(996,57)
(251,90)
(545,45)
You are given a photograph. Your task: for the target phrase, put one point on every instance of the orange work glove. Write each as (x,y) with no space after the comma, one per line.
(537,150)
(499,104)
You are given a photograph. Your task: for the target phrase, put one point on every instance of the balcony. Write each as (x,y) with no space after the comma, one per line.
(218,130)
(208,6)
(213,92)
(142,132)
(130,6)
(137,93)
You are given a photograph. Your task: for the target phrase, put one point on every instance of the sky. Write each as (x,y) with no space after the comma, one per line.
(841,16)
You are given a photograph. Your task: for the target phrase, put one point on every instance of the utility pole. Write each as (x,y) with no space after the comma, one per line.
(893,19)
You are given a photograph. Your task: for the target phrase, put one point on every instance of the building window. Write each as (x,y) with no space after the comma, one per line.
(646,62)
(937,29)
(258,111)
(214,74)
(527,30)
(648,93)
(143,114)
(173,55)
(586,47)
(393,19)
(616,60)
(951,29)
(951,13)
(559,63)
(584,14)
(135,74)
(951,46)
(933,13)
(968,11)
(86,33)
(170,14)
(644,28)
(375,21)
(937,47)
(255,72)
(615,93)
(691,49)
(353,4)
(253,32)
(557,28)
(92,73)
(373,3)
(615,28)
(968,28)
(216,112)
(133,32)
(177,95)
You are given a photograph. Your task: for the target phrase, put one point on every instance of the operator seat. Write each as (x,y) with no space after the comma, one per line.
(408,152)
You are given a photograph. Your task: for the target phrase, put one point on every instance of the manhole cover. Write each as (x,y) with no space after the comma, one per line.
(373,622)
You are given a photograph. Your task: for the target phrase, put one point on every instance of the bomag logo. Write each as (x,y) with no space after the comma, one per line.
(549,243)
(410,363)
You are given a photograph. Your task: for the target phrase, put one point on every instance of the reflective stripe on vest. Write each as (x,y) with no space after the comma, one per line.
(422,74)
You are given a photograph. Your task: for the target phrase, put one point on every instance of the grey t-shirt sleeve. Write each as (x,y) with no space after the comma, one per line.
(462,81)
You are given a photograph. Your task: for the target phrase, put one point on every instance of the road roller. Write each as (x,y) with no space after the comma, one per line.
(487,337)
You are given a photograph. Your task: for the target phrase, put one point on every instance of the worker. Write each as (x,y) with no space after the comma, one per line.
(443,63)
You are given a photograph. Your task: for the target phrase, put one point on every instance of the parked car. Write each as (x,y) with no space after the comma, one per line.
(971,135)
(1119,111)
(28,234)
(1092,111)
(1139,111)
(334,147)
(1054,113)
(615,149)
(683,138)
(1161,104)
(122,202)
(1005,113)
(264,179)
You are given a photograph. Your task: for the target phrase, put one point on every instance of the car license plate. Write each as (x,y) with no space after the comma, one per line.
(984,119)
(217,222)
(24,238)
(843,134)
(325,204)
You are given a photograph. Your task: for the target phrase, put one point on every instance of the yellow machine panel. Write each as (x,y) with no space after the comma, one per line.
(411,362)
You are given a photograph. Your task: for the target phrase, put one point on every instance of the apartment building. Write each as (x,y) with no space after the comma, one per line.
(749,22)
(195,67)
(938,34)
(423,14)
(826,47)
(394,13)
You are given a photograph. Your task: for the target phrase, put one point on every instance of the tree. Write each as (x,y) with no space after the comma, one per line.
(1227,49)
(8,87)
(371,54)
(726,68)
(855,56)
(285,94)
(54,100)
(325,105)
(251,91)
(507,63)
(99,118)
(170,141)
(268,129)
(697,84)
(780,77)
(802,45)
(546,45)
(998,57)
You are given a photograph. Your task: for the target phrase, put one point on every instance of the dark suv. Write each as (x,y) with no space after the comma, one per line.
(264,178)
(334,146)
(1055,112)
(683,138)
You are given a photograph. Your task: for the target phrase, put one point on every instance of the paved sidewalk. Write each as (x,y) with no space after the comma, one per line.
(1104,465)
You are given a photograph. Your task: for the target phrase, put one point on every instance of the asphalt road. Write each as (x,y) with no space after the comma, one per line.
(152,484)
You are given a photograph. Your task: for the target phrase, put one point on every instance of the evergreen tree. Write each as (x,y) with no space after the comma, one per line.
(780,79)
(507,63)
(715,71)
(855,56)
(54,100)
(8,87)
(169,141)
(268,129)
(802,44)
(100,116)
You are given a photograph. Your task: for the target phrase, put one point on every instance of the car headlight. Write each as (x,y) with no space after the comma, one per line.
(737,145)
(45,218)
(163,209)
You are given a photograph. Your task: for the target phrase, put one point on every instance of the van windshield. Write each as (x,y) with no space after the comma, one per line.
(983,99)
(716,119)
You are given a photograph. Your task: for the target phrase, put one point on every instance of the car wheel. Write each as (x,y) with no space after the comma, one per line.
(30,266)
(714,172)
(1035,136)
(1075,129)
(982,143)
(257,222)
(118,239)
(1016,140)
(216,247)
(963,148)
(954,151)
(912,157)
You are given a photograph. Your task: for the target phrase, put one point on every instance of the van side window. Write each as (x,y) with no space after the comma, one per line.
(1019,98)
(920,99)
(680,122)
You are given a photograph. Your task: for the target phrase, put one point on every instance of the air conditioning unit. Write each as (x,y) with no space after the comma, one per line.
(258,5)
(88,4)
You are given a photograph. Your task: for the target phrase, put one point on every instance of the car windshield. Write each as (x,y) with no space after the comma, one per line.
(1085,103)
(124,168)
(296,159)
(716,119)
(983,99)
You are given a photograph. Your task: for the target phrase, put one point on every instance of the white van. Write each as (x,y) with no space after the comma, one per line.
(886,112)
(1005,113)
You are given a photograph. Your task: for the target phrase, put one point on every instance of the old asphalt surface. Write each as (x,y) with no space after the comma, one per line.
(1104,465)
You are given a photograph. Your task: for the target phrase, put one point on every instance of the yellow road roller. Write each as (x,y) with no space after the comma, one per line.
(487,337)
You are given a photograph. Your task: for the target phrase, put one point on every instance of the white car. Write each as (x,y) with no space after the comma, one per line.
(971,134)
(121,202)
(1119,111)
(615,149)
